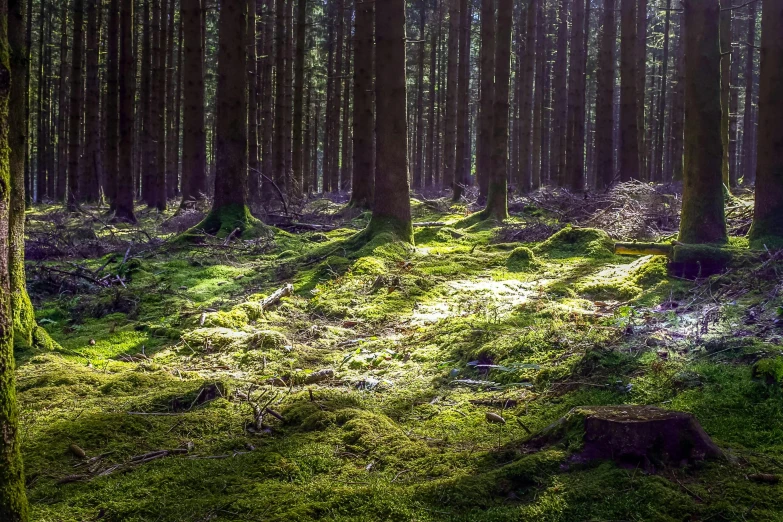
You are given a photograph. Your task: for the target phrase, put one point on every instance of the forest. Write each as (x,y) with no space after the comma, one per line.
(404,260)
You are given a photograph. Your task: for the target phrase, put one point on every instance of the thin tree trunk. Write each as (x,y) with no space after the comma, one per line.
(450,113)
(485,151)
(462,146)
(77,102)
(725,84)
(575,169)
(418,161)
(678,106)
(659,145)
(91,174)
(62,112)
(171,145)
(297,160)
(748,151)
(345,132)
(641,83)
(429,160)
(253,186)
(525,184)
(560,106)
(267,103)
(124,192)
(43,99)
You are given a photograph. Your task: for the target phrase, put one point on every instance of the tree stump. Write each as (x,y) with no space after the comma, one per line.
(632,436)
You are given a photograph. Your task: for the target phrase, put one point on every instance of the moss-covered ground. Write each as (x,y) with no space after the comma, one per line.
(422,342)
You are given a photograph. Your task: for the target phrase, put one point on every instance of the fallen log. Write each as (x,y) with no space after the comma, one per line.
(643,249)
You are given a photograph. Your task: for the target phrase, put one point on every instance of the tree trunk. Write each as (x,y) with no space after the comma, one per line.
(748,151)
(678,105)
(429,160)
(497,195)
(111,108)
(641,83)
(229,209)
(560,106)
(538,98)
(604,105)
(62,112)
(525,149)
(267,104)
(171,145)
(13,501)
(659,145)
(462,147)
(768,216)
(90,173)
(194,139)
(450,115)
(124,192)
(418,159)
(253,186)
(301,25)
(42,138)
(725,83)
(575,166)
(158,195)
(345,132)
(280,38)
(391,210)
(702,219)
(77,102)
(363,121)
(630,161)
(486,149)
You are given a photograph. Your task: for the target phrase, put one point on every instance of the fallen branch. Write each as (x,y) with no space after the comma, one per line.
(273,299)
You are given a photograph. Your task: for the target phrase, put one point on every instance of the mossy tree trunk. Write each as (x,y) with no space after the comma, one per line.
(229,209)
(768,217)
(124,188)
(13,502)
(391,210)
(26,331)
(363,120)
(703,219)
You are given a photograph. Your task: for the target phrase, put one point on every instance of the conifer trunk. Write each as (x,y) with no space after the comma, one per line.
(77,102)
(62,110)
(486,149)
(748,151)
(450,113)
(297,159)
(630,160)
(91,170)
(363,120)
(123,210)
(253,186)
(659,145)
(463,79)
(702,219)
(111,108)
(604,107)
(391,210)
(768,215)
(725,83)
(194,140)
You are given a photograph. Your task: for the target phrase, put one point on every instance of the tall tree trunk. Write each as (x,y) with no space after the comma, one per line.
(391,209)
(429,160)
(678,106)
(123,210)
(560,106)
(450,113)
(497,196)
(267,104)
(77,102)
(725,83)
(363,120)
(604,105)
(229,209)
(526,115)
(13,502)
(576,102)
(630,161)
(703,219)
(641,83)
(768,211)
(418,161)
(253,185)
(171,145)
(297,160)
(112,108)
(28,156)
(734,107)
(280,42)
(194,139)
(91,170)
(62,110)
(158,200)
(461,166)
(345,132)
(748,151)
(485,143)
(659,145)
(538,97)
(148,104)
(42,138)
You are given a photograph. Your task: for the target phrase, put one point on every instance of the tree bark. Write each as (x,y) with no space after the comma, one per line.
(172,146)
(604,106)
(450,113)
(91,170)
(43,144)
(526,115)
(486,149)
(77,102)
(575,167)
(725,84)
(253,186)
(702,219)
(363,117)
(391,210)
(560,105)
(461,166)
(678,106)
(111,109)
(641,84)
(659,145)
(630,162)
(62,110)
(124,189)
(748,151)
(297,160)
(768,215)
(194,142)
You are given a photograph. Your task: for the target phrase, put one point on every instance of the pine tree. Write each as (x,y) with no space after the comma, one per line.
(604,108)
(194,141)
(363,116)
(124,191)
(77,103)
(630,160)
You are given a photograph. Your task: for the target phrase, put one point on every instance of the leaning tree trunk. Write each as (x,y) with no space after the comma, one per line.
(604,105)
(703,219)
(363,121)
(497,195)
(391,210)
(194,138)
(13,502)
(77,99)
(630,161)
(123,210)
(768,217)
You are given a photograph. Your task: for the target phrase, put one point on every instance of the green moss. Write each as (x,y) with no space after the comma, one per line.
(578,242)
(222,222)
(522,259)
(369,266)
(769,370)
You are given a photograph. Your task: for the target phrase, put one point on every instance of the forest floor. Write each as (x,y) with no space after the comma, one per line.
(365,394)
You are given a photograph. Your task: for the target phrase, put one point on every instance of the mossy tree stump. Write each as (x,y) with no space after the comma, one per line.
(634,436)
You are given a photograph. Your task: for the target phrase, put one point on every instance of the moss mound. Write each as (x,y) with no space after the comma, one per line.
(522,259)
(578,242)
(770,371)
